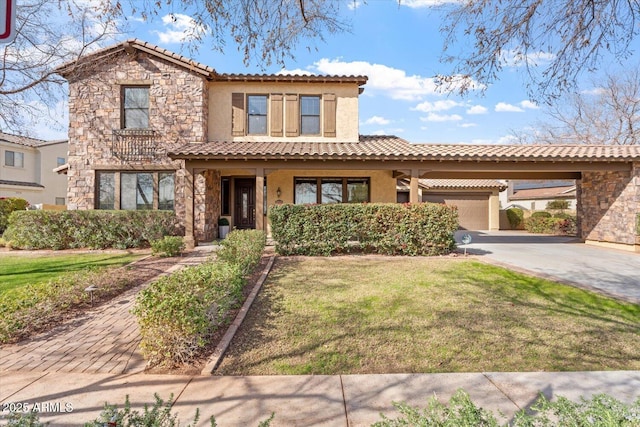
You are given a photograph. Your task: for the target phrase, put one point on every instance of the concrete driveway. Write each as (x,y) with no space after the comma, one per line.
(565,259)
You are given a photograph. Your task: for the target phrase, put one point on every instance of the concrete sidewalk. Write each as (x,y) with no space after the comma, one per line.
(337,400)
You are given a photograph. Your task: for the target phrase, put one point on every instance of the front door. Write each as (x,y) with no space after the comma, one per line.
(245,203)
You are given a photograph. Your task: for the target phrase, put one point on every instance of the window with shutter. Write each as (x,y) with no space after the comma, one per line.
(292,115)
(237,114)
(329,114)
(276,114)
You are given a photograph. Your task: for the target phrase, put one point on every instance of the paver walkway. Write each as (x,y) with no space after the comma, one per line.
(103,340)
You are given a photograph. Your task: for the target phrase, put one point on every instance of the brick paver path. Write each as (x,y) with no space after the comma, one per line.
(103,340)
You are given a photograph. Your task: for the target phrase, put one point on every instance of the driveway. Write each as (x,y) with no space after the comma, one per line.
(565,259)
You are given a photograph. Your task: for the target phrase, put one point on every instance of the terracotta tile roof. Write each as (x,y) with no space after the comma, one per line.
(567,192)
(21,140)
(394,148)
(290,78)
(451,184)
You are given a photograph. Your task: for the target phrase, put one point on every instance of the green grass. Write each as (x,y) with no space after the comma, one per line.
(346,315)
(17,271)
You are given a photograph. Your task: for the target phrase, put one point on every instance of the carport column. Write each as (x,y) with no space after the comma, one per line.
(260,199)
(414,197)
(189,238)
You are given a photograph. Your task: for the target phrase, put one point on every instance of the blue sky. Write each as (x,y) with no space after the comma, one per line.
(398,46)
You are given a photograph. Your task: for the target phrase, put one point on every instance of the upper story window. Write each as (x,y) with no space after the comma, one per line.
(60,161)
(135,107)
(257,114)
(309,115)
(13,158)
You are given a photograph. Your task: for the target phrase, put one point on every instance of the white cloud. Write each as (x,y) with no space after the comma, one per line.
(442,105)
(434,117)
(594,91)
(379,132)
(467,125)
(503,107)
(515,58)
(507,139)
(179,28)
(295,72)
(477,109)
(377,120)
(353,4)
(529,105)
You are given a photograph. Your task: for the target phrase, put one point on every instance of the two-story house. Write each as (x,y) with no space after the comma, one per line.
(27,169)
(150,129)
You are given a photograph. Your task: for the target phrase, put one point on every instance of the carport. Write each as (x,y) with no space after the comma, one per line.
(607,179)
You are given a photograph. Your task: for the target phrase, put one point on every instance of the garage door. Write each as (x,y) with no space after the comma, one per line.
(473,209)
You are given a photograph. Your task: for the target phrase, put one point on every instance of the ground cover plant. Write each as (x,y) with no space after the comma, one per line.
(371,314)
(17,271)
(180,313)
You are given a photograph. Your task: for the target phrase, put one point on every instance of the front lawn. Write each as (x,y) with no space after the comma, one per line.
(348,315)
(16,271)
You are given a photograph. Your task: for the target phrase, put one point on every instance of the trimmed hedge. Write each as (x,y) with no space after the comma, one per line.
(384,228)
(515,217)
(8,205)
(541,214)
(178,314)
(551,225)
(96,229)
(558,204)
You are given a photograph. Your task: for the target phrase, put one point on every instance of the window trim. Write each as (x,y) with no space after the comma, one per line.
(123,118)
(265,115)
(14,154)
(117,187)
(319,115)
(345,180)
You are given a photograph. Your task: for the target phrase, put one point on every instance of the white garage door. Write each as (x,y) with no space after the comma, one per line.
(473,209)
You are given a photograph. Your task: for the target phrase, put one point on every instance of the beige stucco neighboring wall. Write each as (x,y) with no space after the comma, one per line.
(220,118)
(39,163)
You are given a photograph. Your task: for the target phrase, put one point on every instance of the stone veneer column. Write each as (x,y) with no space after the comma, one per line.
(608,203)
(206,205)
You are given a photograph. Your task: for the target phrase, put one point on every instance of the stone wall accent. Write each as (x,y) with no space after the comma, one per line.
(177,108)
(608,203)
(206,210)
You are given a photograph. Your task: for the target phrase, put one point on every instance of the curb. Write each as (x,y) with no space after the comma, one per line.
(217,355)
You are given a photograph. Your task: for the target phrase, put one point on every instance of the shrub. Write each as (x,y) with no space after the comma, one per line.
(563,215)
(244,248)
(223,221)
(179,313)
(32,308)
(541,214)
(168,246)
(558,204)
(515,217)
(638,224)
(8,205)
(551,225)
(601,410)
(393,229)
(94,229)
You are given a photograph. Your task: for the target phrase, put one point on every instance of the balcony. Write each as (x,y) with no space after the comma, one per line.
(136,144)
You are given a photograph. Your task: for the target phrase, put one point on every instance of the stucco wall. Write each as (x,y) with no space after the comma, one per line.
(220,108)
(177,109)
(608,205)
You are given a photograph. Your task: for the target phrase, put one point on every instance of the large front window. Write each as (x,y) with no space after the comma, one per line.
(331,190)
(135,107)
(136,191)
(310,115)
(257,114)
(14,158)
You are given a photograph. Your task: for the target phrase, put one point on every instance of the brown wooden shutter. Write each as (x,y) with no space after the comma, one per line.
(237,114)
(276,114)
(292,115)
(329,114)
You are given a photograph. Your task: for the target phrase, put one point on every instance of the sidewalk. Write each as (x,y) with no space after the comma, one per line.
(337,400)
(103,340)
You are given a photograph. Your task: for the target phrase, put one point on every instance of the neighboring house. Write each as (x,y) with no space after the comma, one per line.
(27,169)
(535,195)
(476,199)
(150,129)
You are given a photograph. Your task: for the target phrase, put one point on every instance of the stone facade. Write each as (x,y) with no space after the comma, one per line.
(178,114)
(206,196)
(608,203)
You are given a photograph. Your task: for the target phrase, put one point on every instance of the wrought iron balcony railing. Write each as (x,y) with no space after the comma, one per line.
(136,144)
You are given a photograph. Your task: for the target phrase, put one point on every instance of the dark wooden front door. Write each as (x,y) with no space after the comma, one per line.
(245,203)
